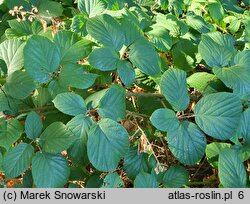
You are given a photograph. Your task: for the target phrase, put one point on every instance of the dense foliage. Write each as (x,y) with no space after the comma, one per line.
(124,93)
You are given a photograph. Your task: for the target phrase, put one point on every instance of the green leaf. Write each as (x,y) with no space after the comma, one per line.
(10,133)
(126,72)
(112,180)
(147,105)
(176,6)
(173,86)
(245,127)
(218,114)
(41,58)
(213,150)
(1,161)
(79,25)
(91,7)
(237,75)
(41,97)
(135,162)
(107,144)
(23,28)
(184,55)
(94,99)
(234,22)
(27,180)
(4,104)
(94,181)
(33,125)
(70,103)
(133,33)
(200,80)
(74,75)
(3,127)
(12,3)
(164,119)
(145,180)
(3,66)
(160,37)
(198,23)
(187,143)
(72,46)
(144,57)
(77,173)
(17,160)
(232,173)
(113,105)
(170,22)
(19,85)
(104,59)
(106,30)
(175,177)
(56,87)
(11,51)
(216,10)
(50,9)
(216,48)
(79,126)
(56,138)
(50,170)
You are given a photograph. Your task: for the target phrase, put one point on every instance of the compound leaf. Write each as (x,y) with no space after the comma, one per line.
(175,177)
(71,46)
(104,59)
(19,85)
(145,180)
(10,132)
(232,172)
(106,30)
(70,103)
(50,170)
(17,160)
(187,143)
(144,57)
(135,162)
(91,7)
(126,72)
(112,180)
(41,58)
(107,144)
(218,114)
(114,99)
(216,48)
(173,86)
(245,127)
(237,75)
(79,126)
(11,51)
(33,125)
(164,119)
(56,138)
(74,75)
